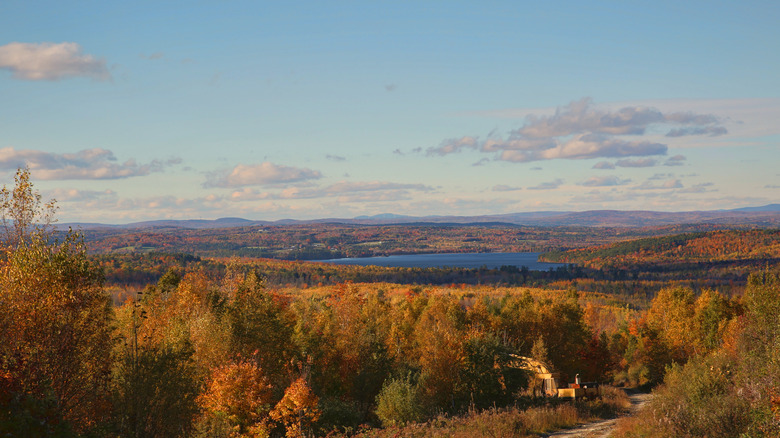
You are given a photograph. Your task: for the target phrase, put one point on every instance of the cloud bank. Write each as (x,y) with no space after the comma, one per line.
(94,163)
(51,62)
(265,173)
(366,191)
(580,131)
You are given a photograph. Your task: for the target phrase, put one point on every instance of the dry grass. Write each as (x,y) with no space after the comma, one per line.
(513,421)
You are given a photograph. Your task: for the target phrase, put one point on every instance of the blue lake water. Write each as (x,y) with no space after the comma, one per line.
(468,260)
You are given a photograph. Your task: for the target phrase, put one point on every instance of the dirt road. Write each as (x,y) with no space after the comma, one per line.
(601,429)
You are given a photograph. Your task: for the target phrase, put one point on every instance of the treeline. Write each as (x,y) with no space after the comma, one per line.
(713,246)
(324,241)
(638,285)
(195,355)
(211,350)
(205,354)
(136,270)
(731,388)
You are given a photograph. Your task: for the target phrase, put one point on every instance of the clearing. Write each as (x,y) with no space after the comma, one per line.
(603,428)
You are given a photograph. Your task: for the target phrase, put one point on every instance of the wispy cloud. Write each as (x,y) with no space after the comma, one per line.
(453,145)
(551,185)
(154,56)
(604,181)
(640,162)
(265,173)
(604,165)
(666,185)
(94,163)
(505,188)
(677,160)
(76,195)
(699,188)
(373,186)
(661,176)
(364,191)
(712,131)
(50,62)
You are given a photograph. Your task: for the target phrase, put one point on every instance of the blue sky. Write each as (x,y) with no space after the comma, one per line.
(129,111)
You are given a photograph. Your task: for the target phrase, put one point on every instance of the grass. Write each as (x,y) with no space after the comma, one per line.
(513,421)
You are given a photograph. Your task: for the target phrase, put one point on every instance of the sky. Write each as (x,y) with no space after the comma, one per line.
(146,110)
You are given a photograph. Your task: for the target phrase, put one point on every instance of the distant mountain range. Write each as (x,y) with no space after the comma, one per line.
(763,216)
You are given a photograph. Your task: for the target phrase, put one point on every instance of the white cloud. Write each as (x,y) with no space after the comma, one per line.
(581,131)
(260,174)
(581,117)
(93,163)
(50,62)
(584,146)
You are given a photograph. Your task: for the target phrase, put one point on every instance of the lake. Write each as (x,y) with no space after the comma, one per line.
(467,260)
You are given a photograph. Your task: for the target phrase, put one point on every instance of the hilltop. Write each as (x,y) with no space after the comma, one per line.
(762,216)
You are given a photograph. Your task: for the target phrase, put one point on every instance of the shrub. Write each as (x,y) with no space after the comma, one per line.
(696,399)
(399,402)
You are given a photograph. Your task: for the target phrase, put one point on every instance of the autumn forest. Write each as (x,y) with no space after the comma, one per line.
(229,333)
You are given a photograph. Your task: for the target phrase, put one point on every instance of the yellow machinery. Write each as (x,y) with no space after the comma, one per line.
(550,384)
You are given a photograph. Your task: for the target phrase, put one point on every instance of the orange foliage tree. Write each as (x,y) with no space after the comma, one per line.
(298,409)
(238,395)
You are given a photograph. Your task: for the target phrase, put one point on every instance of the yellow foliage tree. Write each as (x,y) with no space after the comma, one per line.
(298,409)
(55,336)
(672,315)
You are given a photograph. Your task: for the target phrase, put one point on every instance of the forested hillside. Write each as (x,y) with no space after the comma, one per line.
(334,240)
(713,246)
(209,348)
(730,390)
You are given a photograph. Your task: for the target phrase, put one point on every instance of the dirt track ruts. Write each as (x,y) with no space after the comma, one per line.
(603,428)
